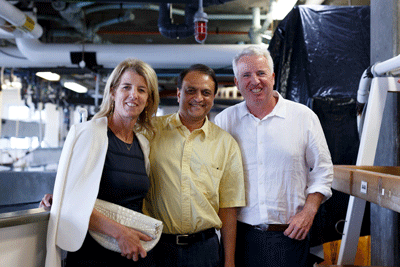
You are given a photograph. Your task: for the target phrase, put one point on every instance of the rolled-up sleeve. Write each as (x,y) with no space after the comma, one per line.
(319,160)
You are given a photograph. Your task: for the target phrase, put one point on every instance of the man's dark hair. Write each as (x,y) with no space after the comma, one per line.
(200,68)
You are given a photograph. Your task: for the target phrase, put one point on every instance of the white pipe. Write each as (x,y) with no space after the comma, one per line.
(11,57)
(256,17)
(84,114)
(17,18)
(97,89)
(362,97)
(386,66)
(158,56)
(6,30)
(6,35)
(256,26)
(363,88)
(377,69)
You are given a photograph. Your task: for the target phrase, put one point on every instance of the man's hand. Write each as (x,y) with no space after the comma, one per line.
(300,224)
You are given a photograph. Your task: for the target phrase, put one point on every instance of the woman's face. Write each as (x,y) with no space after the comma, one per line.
(130,95)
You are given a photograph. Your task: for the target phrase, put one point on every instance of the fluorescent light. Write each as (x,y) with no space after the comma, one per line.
(50,76)
(75,87)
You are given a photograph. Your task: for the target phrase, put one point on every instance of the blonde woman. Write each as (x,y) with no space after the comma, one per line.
(105,158)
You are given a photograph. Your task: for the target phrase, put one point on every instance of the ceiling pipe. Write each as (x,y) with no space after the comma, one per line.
(128,6)
(174,31)
(174,11)
(26,26)
(269,18)
(128,16)
(74,15)
(256,27)
(6,29)
(11,57)
(109,56)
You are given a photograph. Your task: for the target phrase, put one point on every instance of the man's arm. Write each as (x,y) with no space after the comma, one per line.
(300,224)
(228,217)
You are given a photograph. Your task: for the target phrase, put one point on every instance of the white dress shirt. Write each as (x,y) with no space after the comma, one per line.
(285,158)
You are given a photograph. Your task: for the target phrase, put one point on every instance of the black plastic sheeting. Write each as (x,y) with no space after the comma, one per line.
(338,117)
(320,53)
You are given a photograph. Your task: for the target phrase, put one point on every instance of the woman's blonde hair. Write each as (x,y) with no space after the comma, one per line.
(144,122)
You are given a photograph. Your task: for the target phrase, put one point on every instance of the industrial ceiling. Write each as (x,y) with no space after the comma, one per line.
(83,41)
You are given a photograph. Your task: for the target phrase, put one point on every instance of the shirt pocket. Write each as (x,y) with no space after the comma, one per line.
(208,181)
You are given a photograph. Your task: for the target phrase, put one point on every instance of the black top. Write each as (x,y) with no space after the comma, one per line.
(124,180)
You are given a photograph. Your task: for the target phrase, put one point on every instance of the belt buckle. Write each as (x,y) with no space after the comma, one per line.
(262,227)
(181,243)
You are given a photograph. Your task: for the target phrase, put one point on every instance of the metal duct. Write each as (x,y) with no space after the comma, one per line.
(27,26)
(174,31)
(73,14)
(108,56)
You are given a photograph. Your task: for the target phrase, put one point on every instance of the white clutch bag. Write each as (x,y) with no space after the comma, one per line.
(138,221)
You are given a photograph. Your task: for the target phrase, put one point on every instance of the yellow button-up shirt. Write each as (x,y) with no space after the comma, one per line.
(193,175)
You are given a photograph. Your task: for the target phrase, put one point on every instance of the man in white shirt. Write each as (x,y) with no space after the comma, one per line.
(287,165)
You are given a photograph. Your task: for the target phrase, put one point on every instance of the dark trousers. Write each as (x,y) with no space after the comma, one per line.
(93,254)
(206,253)
(255,248)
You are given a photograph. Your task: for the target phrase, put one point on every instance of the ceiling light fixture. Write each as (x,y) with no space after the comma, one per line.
(200,24)
(75,87)
(50,76)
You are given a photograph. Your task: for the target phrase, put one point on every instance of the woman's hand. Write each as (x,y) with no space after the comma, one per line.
(129,243)
(128,239)
(46,202)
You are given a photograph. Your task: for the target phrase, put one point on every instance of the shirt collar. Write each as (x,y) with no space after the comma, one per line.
(175,121)
(279,110)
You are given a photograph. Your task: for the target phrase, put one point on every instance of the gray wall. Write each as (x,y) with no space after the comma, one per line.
(385,45)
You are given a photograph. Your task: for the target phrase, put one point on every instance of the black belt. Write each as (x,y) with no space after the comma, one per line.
(188,238)
(266,227)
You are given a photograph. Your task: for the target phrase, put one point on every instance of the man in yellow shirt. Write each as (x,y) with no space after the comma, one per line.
(196,178)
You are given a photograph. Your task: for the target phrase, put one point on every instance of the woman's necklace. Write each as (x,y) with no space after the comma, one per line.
(117,133)
(128,146)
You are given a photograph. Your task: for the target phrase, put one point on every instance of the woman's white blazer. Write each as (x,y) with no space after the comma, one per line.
(77,185)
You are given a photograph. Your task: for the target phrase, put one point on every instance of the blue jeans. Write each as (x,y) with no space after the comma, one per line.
(255,248)
(206,253)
